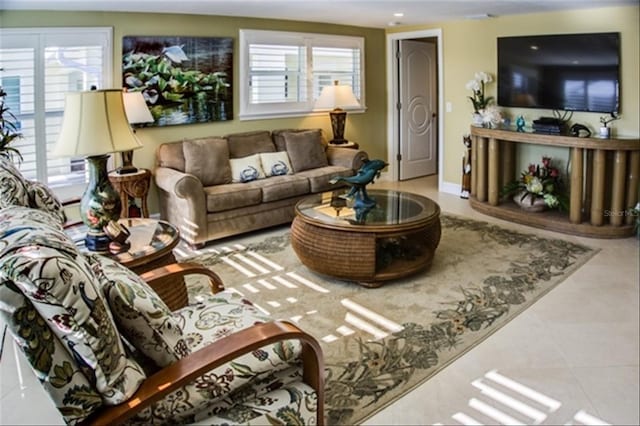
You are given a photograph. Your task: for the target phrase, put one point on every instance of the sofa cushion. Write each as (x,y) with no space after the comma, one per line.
(305,150)
(319,178)
(246,169)
(276,163)
(142,317)
(171,155)
(208,160)
(248,143)
(281,187)
(281,145)
(44,264)
(232,196)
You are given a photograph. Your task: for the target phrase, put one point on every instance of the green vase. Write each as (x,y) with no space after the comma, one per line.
(100,203)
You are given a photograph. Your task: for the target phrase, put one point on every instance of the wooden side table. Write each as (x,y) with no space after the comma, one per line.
(132,185)
(350,144)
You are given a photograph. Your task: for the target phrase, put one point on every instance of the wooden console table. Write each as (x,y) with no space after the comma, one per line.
(603,181)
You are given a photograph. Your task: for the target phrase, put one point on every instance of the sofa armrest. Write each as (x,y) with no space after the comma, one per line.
(346,157)
(182,202)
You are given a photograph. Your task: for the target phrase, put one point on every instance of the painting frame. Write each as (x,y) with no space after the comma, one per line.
(184,79)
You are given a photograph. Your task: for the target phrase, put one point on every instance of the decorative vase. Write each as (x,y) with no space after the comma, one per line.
(605,132)
(477,119)
(525,203)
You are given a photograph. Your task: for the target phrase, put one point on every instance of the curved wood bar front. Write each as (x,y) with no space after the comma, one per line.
(603,181)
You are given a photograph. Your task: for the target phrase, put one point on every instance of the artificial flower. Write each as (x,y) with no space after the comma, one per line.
(539,182)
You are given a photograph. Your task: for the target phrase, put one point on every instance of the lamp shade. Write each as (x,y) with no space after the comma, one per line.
(337,96)
(94,123)
(136,108)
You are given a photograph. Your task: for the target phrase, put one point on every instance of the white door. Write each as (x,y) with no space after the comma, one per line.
(418,109)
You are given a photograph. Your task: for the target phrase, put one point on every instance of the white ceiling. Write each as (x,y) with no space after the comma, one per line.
(364,13)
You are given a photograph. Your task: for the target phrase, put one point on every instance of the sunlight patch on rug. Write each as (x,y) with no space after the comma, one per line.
(379,343)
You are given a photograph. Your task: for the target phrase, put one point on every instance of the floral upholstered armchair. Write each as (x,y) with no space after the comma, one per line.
(108,350)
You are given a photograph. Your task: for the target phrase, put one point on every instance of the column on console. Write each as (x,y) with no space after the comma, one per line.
(481,167)
(493,172)
(597,195)
(577,169)
(616,216)
(632,184)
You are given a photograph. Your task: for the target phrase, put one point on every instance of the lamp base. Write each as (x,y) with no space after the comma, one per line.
(338,141)
(97,242)
(127,166)
(125,170)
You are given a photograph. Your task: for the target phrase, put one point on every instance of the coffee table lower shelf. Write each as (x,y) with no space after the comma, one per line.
(368,258)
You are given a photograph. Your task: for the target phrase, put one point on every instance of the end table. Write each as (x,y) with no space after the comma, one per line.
(132,185)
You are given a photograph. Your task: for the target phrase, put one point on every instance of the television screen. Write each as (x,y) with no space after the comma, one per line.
(574,72)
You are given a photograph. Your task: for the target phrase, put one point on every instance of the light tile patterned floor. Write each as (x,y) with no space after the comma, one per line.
(571,358)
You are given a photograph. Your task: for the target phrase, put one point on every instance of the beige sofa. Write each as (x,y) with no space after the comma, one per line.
(215,187)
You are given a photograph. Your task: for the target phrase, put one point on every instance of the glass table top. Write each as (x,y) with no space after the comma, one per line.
(148,236)
(392,208)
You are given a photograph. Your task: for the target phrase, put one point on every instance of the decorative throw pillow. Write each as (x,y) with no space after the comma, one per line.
(208,160)
(43,198)
(14,190)
(246,169)
(276,163)
(305,150)
(142,317)
(45,266)
(249,143)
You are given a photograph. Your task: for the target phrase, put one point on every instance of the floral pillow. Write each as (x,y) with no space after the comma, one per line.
(43,198)
(13,188)
(142,317)
(45,266)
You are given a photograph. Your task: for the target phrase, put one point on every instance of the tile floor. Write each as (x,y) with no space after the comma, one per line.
(571,358)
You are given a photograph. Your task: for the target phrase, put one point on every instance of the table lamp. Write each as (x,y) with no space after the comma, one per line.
(137,113)
(337,97)
(95,125)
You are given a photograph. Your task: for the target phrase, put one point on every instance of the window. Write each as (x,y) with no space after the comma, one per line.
(283,73)
(37,67)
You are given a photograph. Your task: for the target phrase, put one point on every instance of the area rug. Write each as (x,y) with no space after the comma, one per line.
(379,343)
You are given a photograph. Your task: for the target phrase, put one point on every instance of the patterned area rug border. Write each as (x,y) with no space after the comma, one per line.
(367,374)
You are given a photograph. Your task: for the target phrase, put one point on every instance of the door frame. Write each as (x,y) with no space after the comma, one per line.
(393,124)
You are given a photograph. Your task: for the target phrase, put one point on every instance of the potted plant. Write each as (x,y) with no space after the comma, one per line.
(8,131)
(538,188)
(478,100)
(605,132)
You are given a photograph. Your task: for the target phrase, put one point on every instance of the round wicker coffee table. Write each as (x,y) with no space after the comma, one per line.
(398,237)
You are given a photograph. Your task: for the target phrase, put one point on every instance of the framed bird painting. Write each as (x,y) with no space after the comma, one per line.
(184,80)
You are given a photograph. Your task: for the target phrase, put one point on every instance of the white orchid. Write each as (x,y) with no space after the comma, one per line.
(477,87)
(473,85)
(483,77)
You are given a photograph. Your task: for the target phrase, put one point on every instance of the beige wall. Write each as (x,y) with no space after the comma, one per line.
(470,46)
(368,129)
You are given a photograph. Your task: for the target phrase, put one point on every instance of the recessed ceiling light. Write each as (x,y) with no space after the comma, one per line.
(533,47)
(398,14)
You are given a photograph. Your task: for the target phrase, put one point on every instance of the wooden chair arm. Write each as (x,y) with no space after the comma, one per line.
(180,270)
(214,355)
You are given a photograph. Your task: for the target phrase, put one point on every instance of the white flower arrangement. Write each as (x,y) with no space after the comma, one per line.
(477,86)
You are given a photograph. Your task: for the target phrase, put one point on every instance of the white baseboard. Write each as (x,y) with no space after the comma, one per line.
(450,188)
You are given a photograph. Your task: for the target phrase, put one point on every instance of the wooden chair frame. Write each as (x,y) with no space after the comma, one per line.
(214,355)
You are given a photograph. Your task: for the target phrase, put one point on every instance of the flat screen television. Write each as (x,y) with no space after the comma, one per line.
(573,72)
